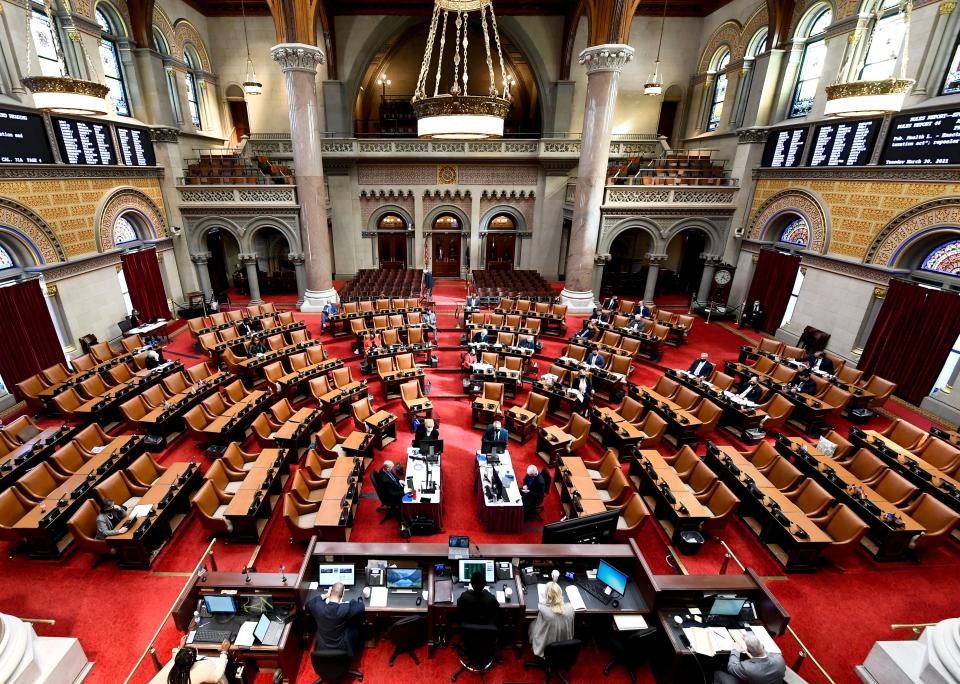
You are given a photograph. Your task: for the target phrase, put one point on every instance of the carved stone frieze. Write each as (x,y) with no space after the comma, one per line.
(79,266)
(30,171)
(164,135)
(887,244)
(608,57)
(30,225)
(885,173)
(747,136)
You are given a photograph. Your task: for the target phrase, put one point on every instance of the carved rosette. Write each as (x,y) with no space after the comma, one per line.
(297,57)
(606,58)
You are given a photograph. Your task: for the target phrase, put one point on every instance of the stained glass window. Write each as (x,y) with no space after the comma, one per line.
(886,40)
(124,232)
(719,93)
(112,72)
(944,259)
(45,44)
(811,66)
(193,97)
(6,261)
(951,83)
(796,233)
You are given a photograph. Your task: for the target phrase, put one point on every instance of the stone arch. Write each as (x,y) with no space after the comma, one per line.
(727,34)
(198,232)
(447,209)
(384,209)
(658,245)
(185,34)
(801,202)
(910,225)
(714,236)
(255,225)
(514,213)
(120,17)
(119,201)
(31,231)
(162,23)
(757,21)
(804,13)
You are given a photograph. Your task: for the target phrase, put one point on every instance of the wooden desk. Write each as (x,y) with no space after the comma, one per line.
(34,451)
(334,521)
(520,423)
(551,442)
(496,515)
(654,479)
(383,427)
(737,418)
(682,424)
(252,504)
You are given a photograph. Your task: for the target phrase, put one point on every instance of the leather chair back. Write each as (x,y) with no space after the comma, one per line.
(83,527)
(55,373)
(68,459)
(341,377)
(812,499)
(38,482)
(93,387)
(784,475)
(893,487)
(198,372)
(83,363)
(13,506)
(361,411)
(709,415)
(907,435)
(144,471)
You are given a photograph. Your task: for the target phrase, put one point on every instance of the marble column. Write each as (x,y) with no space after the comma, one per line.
(299,63)
(52,296)
(604,64)
(203,273)
(301,273)
(253,279)
(706,280)
(650,286)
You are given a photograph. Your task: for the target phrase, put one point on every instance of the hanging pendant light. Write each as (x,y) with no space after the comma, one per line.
(654,84)
(63,94)
(251,86)
(459,115)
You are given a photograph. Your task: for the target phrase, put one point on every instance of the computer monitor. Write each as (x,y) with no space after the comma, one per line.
(430,446)
(472,565)
(597,528)
(331,573)
(497,485)
(404,578)
(726,606)
(458,547)
(496,446)
(260,631)
(612,577)
(220,604)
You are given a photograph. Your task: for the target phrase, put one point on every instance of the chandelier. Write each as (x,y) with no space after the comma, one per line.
(251,86)
(654,84)
(62,94)
(872,97)
(459,115)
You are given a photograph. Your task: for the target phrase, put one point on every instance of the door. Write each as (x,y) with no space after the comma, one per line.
(446,255)
(241,123)
(668,116)
(392,250)
(500,251)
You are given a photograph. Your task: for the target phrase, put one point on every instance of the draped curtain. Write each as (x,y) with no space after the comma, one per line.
(29,343)
(772,284)
(912,337)
(142,273)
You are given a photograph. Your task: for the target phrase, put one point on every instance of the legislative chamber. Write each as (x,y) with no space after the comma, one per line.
(493,340)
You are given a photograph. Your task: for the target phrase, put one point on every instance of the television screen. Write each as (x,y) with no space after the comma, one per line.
(23,139)
(844,143)
(84,142)
(404,578)
(136,148)
(597,528)
(785,147)
(923,138)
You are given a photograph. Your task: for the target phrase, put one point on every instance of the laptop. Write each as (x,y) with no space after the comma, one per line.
(268,631)
(459,547)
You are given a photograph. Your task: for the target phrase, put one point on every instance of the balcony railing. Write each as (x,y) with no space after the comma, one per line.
(238,195)
(645,196)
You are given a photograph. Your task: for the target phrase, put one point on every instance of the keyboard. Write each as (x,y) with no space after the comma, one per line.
(595,588)
(211,636)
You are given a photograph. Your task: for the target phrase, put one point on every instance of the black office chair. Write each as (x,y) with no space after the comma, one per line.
(630,649)
(388,503)
(477,650)
(558,657)
(333,665)
(407,634)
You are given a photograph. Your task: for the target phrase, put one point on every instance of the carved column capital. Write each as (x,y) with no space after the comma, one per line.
(164,135)
(201,258)
(601,259)
(296,259)
(248,258)
(747,136)
(297,57)
(606,58)
(656,259)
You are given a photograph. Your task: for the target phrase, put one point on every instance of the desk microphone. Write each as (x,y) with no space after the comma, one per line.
(477,549)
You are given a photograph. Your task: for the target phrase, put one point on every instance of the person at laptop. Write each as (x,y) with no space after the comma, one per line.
(477,606)
(338,623)
(108,518)
(428,431)
(186,667)
(494,434)
(750,663)
(554,621)
(391,479)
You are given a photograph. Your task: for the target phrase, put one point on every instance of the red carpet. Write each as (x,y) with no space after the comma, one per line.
(837,613)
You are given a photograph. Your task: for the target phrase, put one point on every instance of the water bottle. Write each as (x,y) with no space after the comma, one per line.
(427,390)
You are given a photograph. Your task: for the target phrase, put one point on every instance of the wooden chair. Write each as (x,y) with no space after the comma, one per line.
(684,461)
(723,504)
(811,498)
(237,460)
(119,488)
(226,481)
(881,389)
(40,481)
(844,528)
(301,518)
(601,471)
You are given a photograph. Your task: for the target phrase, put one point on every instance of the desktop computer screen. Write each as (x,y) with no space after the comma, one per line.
(331,573)
(724,606)
(468,567)
(458,541)
(404,578)
(220,604)
(612,577)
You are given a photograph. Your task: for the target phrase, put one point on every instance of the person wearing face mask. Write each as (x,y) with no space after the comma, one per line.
(494,434)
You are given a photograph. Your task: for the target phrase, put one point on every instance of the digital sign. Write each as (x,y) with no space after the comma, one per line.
(844,143)
(84,142)
(785,147)
(23,139)
(923,138)
(136,148)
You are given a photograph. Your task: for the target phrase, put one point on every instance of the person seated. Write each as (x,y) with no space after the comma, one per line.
(802,384)
(467,360)
(533,489)
(391,476)
(818,361)
(637,323)
(187,667)
(427,431)
(473,301)
(134,319)
(108,518)
(154,359)
(554,621)
(243,328)
(594,358)
(585,331)
(338,623)
(701,367)
(641,310)
(753,316)
(329,309)
(526,342)
(757,667)
(430,323)
(258,346)
(256,325)
(480,335)
(750,390)
(584,385)
(600,317)
(477,606)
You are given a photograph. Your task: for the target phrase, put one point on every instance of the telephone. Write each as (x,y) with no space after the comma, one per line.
(376,577)
(528,575)
(503,570)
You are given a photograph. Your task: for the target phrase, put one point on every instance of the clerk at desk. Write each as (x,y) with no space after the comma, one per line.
(750,663)
(391,480)
(477,606)
(338,623)
(426,431)
(494,434)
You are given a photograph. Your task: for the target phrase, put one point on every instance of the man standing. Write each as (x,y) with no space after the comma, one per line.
(754,316)
(338,623)
(109,517)
(477,606)
(533,490)
(759,667)
(428,283)
(701,367)
(430,323)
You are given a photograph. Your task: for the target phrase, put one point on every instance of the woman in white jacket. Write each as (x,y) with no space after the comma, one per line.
(554,621)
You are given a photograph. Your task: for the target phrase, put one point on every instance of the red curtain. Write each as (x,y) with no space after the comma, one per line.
(142,273)
(29,342)
(912,337)
(772,284)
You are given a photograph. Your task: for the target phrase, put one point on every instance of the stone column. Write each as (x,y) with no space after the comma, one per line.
(301,273)
(604,64)
(52,296)
(706,280)
(203,274)
(650,286)
(299,63)
(253,280)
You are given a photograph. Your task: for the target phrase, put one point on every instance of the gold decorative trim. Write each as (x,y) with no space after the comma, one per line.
(879,292)
(947,7)
(64,84)
(52,291)
(755,258)
(888,86)
(119,267)
(463,5)
(459,105)
(946,389)
(857,351)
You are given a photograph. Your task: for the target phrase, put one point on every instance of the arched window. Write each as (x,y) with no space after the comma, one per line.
(944,259)
(719,92)
(446,222)
(193,92)
(886,40)
(46,36)
(796,233)
(758,44)
(6,259)
(124,231)
(391,222)
(811,62)
(951,82)
(160,45)
(110,58)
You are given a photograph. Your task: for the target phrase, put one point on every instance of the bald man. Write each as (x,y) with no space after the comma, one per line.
(338,623)
(391,479)
(750,663)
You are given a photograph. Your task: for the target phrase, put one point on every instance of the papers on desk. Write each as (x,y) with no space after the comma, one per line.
(98,449)
(541,592)
(245,635)
(764,638)
(480,367)
(629,623)
(141,511)
(501,597)
(378,597)
(708,641)
(573,593)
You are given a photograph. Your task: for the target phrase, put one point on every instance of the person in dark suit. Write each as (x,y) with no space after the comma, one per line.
(428,430)
(391,480)
(594,358)
(480,335)
(584,385)
(753,316)
(819,361)
(338,623)
(802,384)
(750,390)
(637,323)
(495,432)
(701,367)
(533,489)
(526,342)
(258,346)
(477,606)
(585,331)
(242,328)
(473,301)
(600,316)
(641,310)
(758,667)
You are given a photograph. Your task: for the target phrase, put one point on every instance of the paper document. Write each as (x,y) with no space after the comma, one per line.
(98,449)
(764,638)
(245,635)
(501,597)
(629,623)
(575,599)
(541,592)
(378,597)
(708,640)
(141,511)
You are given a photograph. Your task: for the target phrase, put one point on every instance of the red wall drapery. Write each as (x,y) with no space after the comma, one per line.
(772,284)
(142,273)
(29,341)
(912,337)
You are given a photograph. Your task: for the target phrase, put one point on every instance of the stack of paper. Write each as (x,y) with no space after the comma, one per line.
(708,641)
(575,599)
(378,597)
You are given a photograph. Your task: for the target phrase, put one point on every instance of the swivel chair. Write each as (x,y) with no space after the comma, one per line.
(558,657)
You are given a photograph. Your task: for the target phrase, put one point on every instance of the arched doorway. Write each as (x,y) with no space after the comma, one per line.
(238,112)
(224,261)
(446,240)
(669,109)
(392,241)
(684,266)
(275,271)
(625,273)
(501,243)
